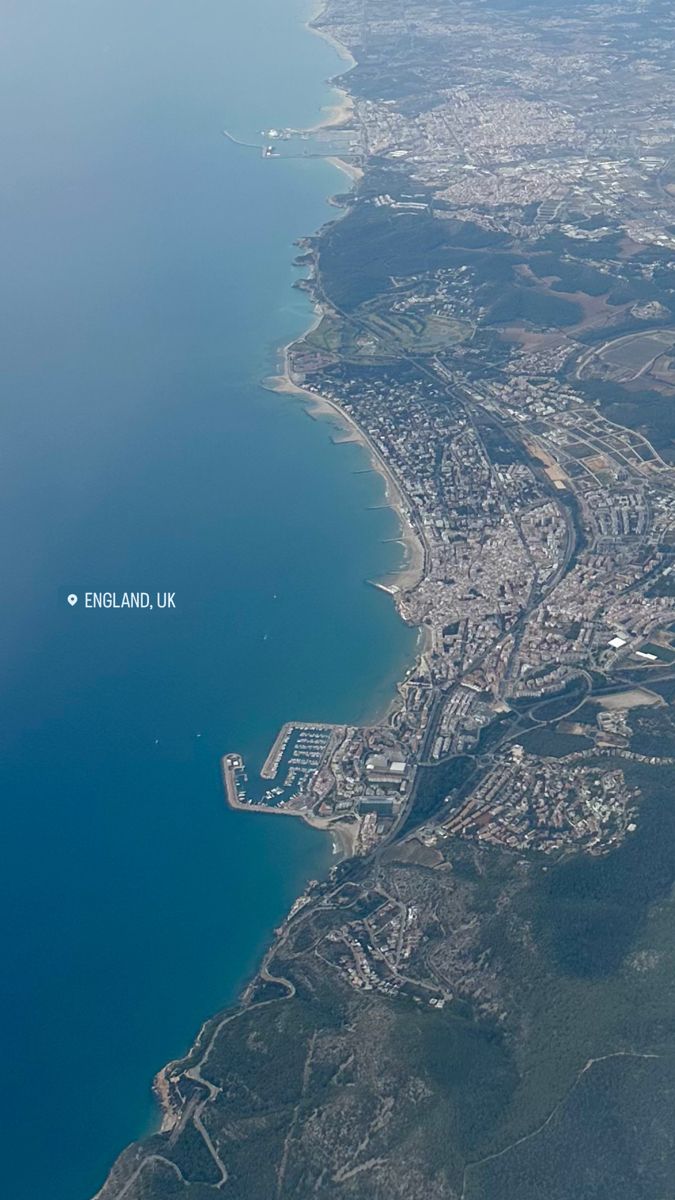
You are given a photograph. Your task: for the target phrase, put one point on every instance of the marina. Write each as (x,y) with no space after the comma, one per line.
(305,737)
(293,766)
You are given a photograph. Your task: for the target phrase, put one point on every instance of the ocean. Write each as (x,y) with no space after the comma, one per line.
(146,288)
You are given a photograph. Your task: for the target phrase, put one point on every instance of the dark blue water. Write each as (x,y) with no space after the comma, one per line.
(145,284)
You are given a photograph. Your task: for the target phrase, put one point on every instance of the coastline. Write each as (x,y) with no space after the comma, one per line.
(319,407)
(343,110)
(419,1019)
(411,571)
(171,1106)
(342,832)
(317,11)
(353,172)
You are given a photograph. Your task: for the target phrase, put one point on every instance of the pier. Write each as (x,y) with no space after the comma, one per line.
(236,142)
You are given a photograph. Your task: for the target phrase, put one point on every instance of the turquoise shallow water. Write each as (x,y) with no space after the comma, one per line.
(146,283)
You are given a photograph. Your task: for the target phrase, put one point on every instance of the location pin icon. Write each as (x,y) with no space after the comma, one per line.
(72,599)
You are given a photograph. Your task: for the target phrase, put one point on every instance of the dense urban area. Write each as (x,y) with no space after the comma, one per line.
(477,1003)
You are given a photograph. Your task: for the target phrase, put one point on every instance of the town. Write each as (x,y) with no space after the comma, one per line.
(529,275)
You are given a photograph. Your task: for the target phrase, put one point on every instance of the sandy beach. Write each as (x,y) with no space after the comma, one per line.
(342,833)
(340,49)
(355,173)
(342,112)
(337,114)
(318,406)
(412,569)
